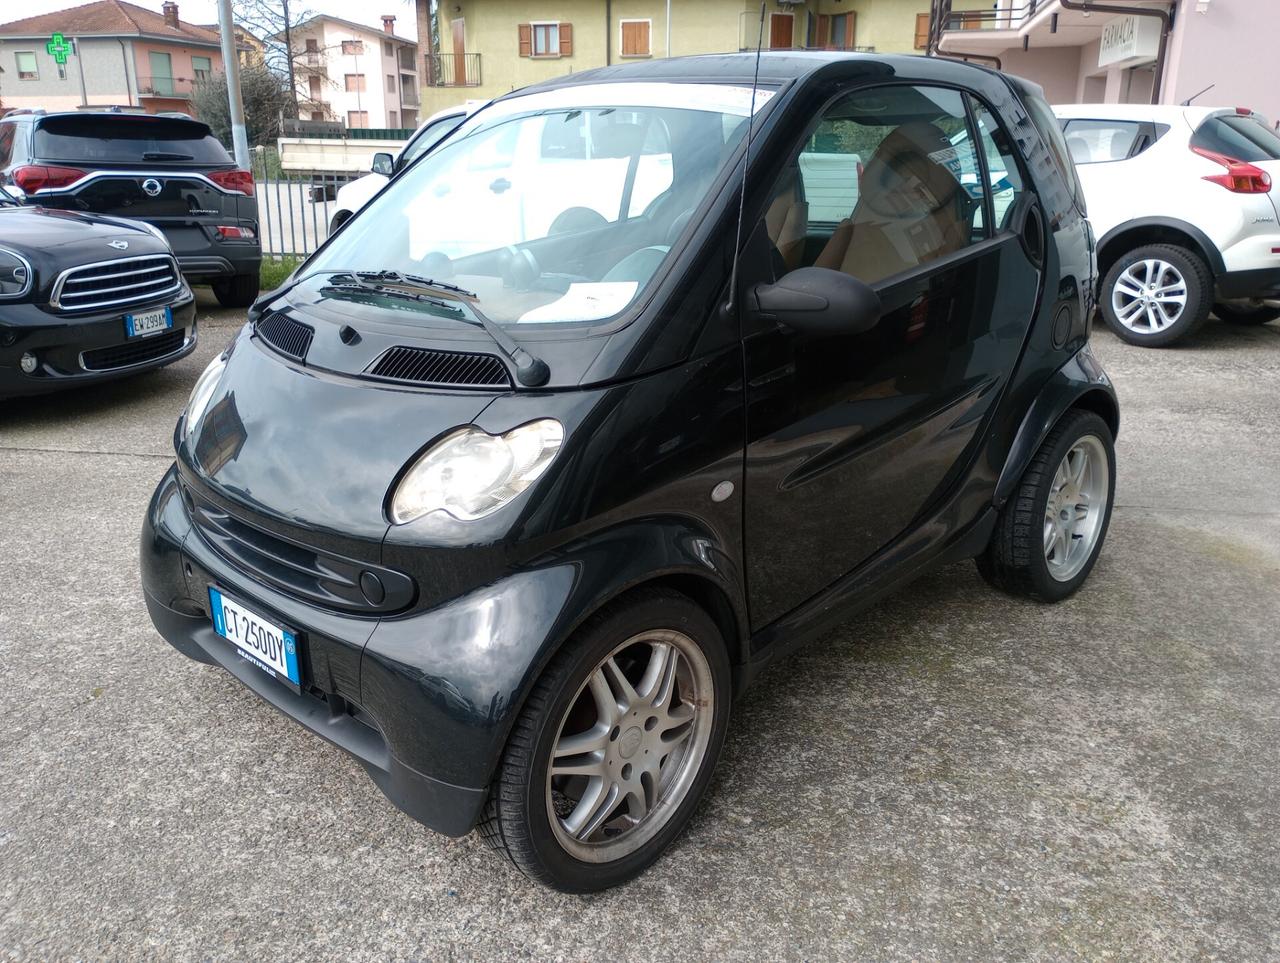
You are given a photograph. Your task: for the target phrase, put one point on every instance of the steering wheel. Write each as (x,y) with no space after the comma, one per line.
(520,270)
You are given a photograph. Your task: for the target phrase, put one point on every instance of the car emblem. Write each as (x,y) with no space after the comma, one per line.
(119,245)
(151,187)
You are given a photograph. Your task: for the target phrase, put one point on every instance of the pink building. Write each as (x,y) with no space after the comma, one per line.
(1125,51)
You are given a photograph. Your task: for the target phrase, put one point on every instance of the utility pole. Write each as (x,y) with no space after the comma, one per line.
(288,55)
(231,66)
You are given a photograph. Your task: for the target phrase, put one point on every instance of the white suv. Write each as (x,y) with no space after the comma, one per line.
(1184,202)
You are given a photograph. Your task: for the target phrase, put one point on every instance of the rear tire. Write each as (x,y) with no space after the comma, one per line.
(1246,314)
(1048,535)
(602,773)
(1157,294)
(237,292)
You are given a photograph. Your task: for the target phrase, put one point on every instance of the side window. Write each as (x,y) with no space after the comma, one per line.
(1097,141)
(1002,166)
(889,180)
(1057,203)
(6,144)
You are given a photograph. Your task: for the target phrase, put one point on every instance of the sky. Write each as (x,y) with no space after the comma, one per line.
(206,11)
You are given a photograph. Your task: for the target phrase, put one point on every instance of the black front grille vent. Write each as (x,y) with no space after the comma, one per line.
(424,366)
(134,352)
(291,338)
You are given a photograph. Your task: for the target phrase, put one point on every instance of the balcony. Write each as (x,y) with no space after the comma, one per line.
(409,90)
(405,57)
(453,70)
(977,28)
(170,88)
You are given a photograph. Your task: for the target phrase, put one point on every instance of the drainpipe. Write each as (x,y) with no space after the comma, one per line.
(124,62)
(1166,25)
(668,50)
(84,96)
(608,32)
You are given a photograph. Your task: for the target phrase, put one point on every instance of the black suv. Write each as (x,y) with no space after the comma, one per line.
(532,468)
(168,171)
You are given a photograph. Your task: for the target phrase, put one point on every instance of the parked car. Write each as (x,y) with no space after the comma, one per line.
(514,525)
(1184,202)
(168,171)
(86,298)
(355,194)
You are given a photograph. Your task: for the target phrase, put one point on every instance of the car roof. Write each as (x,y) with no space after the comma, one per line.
(1156,113)
(776,66)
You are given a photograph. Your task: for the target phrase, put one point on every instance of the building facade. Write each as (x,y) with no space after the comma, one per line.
(486,48)
(358,75)
(1224,51)
(114,54)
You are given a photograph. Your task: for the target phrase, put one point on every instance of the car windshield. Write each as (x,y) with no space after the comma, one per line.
(556,207)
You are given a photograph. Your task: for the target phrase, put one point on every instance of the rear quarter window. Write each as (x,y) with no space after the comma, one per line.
(127,140)
(1241,137)
(1099,141)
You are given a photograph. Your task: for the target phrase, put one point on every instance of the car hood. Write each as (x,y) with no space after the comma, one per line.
(313,451)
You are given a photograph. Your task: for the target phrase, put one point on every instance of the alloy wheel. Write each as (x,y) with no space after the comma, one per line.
(1076,507)
(1149,296)
(630,745)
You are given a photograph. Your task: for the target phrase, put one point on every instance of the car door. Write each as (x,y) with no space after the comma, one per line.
(850,438)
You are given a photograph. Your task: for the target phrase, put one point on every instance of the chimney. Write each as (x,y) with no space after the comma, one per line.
(170,13)
(388,23)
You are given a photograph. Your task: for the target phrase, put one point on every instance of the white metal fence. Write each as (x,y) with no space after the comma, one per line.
(294,210)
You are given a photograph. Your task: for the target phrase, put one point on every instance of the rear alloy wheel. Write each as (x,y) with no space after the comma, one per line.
(1246,312)
(1049,533)
(614,747)
(1156,295)
(237,292)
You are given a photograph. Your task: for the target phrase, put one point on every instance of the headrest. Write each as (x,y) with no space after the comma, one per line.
(908,174)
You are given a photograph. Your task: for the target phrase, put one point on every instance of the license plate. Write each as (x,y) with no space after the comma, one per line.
(149,322)
(271,648)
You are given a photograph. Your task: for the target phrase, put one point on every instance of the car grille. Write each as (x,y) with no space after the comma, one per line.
(298,569)
(289,337)
(110,284)
(134,352)
(427,367)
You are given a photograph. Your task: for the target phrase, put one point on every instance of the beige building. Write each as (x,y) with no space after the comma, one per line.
(490,47)
(361,76)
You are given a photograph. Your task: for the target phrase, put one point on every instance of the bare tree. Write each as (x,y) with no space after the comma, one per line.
(275,22)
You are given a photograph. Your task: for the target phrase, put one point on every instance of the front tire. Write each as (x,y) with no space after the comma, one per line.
(1048,535)
(1245,313)
(614,747)
(1157,294)
(239,291)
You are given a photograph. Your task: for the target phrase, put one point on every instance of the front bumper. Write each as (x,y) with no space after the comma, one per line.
(1260,284)
(423,738)
(82,350)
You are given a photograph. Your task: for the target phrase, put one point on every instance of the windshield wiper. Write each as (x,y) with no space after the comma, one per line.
(531,371)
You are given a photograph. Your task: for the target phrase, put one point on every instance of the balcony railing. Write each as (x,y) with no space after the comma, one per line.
(1002,17)
(179,88)
(453,70)
(409,90)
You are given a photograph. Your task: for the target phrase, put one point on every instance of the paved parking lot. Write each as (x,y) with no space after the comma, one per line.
(953,775)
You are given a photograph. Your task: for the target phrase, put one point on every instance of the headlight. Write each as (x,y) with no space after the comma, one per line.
(15,274)
(470,473)
(201,394)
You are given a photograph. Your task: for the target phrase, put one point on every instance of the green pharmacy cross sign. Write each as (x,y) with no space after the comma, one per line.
(58,48)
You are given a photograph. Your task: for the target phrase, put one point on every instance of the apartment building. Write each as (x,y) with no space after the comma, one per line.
(491,47)
(112,53)
(1221,52)
(361,76)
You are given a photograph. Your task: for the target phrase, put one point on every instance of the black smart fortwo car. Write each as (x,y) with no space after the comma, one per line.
(86,298)
(533,467)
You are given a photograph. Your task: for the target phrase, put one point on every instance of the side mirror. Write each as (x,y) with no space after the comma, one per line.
(818,300)
(384,164)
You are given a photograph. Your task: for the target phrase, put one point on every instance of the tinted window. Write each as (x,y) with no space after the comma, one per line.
(1239,137)
(127,140)
(889,180)
(1002,166)
(1096,141)
(6,143)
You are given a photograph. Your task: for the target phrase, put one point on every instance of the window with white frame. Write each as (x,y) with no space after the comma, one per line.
(546,39)
(26,62)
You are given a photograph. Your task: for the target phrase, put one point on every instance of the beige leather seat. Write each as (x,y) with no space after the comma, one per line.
(911,209)
(787,220)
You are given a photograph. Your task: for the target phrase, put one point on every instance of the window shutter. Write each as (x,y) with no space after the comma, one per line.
(823,38)
(566,39)
(922,31)
(526,40)
(850,29)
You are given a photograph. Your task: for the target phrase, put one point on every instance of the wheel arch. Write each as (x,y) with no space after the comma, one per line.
(1079,384)
(1156,230)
